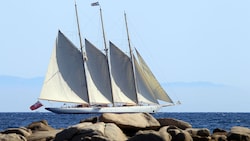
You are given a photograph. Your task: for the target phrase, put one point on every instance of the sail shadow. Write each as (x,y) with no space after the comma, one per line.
(70,65)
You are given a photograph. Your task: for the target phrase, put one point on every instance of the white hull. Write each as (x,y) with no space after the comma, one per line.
(89,110)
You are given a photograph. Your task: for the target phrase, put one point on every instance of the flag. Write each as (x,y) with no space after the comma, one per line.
(95,4)
(178,103)
(35,106)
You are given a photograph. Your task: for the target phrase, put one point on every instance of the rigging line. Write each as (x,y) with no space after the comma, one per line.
(51,77)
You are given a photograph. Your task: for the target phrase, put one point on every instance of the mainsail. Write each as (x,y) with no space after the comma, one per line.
(98,80)
(65,78)
(122,75)
(158,91)
(144,92)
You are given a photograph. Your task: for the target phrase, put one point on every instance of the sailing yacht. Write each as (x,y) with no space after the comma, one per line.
(96,82)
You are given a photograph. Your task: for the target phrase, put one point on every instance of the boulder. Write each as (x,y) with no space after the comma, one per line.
(199,138)
(40,126)
(176,133)
(133,121)
(218,137)
(97,127)
(202,132)
(219,131)
(91,119)
(199,134)
(12,137)
(21,131)
(43,135)
(175,122)
(150,135)
(183,136)
(95,138)
(172,132)
(87,134)
(68,133)
(238,133)
(81,131)
(113,132)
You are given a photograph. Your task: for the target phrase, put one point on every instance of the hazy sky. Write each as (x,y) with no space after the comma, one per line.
(187,41)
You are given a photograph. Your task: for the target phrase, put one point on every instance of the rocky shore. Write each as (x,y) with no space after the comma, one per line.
(124,127)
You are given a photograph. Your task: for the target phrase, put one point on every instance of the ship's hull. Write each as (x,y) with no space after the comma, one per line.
(89,110)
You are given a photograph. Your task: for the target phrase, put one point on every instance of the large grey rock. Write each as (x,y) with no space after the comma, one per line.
(176,133)
(238,133)
(81,131)
(114,133)
(199,138)
(183,136)
(94,138)
(91,119)
(199,134)
(68,133)
(87,134)
(43,135)
(219,131)
(21,131)
(97,127)
(150,135)
(12,137)
(202,132)
(40,126)
(218,137)
(133,121)
(172,132)
(174,122)
(71,131)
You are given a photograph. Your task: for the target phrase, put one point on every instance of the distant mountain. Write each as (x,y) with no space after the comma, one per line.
(17,94)
(193,84)
(19,81)
(207,97)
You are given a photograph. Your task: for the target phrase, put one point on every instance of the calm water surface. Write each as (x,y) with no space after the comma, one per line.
(197,120)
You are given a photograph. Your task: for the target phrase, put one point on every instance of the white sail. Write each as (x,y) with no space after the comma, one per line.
(98,79)
(144,92)
(122,75)
(65,78)
(154,84)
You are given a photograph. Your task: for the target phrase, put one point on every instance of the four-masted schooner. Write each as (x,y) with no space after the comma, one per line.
(100,82)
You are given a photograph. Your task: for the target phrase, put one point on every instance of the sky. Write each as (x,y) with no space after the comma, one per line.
(182,41)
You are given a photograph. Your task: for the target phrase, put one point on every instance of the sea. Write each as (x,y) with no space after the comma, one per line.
(198,120)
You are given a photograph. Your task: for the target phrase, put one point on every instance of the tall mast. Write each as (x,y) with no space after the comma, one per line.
(132,58)
(81,47)
(106,52)
(105,49)
(129,45)
(78,27)
(103,33)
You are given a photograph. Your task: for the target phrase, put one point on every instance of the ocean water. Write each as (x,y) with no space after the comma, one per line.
(197,120)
